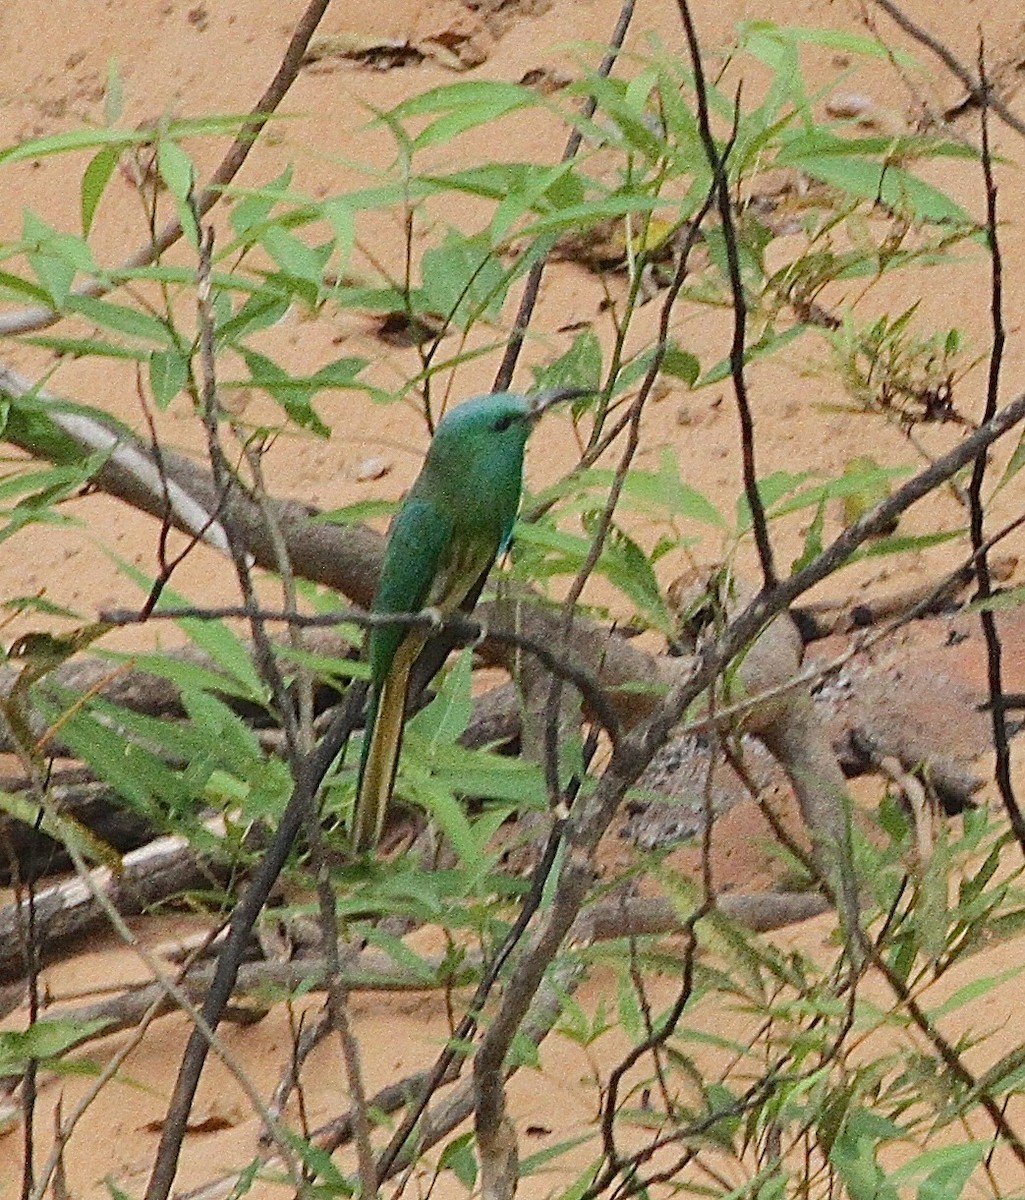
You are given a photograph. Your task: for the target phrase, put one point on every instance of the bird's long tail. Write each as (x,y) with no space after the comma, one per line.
(381,744)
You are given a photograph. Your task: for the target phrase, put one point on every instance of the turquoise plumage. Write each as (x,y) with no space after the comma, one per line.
(454,522)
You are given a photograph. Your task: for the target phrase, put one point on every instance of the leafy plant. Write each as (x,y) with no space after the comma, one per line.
(667,202)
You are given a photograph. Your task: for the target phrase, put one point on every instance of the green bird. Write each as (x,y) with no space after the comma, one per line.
(454,522)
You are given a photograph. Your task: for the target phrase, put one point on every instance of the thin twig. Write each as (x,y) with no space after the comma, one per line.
(31,319)
(604,523)
(977,89)
(717,163)
(465,629)
(987,618)
(301,803)
(507,368)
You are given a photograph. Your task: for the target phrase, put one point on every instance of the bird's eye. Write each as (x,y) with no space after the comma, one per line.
(503,423)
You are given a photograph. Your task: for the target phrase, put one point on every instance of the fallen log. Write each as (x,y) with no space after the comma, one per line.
(66,912)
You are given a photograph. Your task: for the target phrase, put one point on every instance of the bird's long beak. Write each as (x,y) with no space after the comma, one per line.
(541,402)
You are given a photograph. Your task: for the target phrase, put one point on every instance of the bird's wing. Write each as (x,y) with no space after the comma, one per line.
(417,546)
(425,564)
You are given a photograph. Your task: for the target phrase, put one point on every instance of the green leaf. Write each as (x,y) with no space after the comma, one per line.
(252,207)
(771,489)
(41,491)
(812,539)
(873,180)
(294,395)
(237,745)
(340,216)
(1014,464)
(42,486)
(54,270)
(579,366)
(755,36)
(113,94)
(168,374)
(86,347)
(947,1169)
(681,364)
(296,259)
(44,1040)
(853,1155)
(359,511)
(628,1008)
(975,989)
(215,638)
(446,811)
(625,565)
(768,343)
(318,1164)
(448,714)
(140,777)
(259,311)
(582,1184)
(94,183)
(459,1158)
(463,280)
(484,775)
(582,216)
(226,649)
(62,827)
(23,289)
(178,174)
(462,106)
(175,169)
(898,544)
(120,318)
(667,488)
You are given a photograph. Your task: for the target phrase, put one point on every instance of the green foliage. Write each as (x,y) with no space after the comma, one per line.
(44,1042)
(802,1101)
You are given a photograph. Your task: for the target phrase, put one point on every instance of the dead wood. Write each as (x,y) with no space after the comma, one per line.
(73,794)
(902,758)
(67,912)
(821,618)
(638,916)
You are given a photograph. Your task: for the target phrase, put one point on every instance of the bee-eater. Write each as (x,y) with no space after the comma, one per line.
(454,522)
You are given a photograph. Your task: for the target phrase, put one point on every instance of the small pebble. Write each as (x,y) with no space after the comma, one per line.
(849,105)
(372,468)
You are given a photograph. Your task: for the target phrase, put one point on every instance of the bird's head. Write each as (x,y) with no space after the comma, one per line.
(475,459)
(483,439)
(501,417)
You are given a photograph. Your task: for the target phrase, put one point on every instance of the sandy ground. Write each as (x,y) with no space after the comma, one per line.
(183,59)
